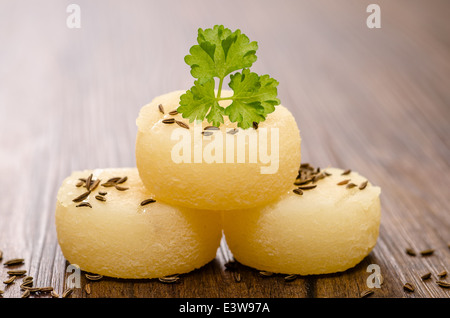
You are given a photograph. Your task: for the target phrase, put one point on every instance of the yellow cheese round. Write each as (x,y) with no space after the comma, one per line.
(121,238)
(328,229)
(222,171)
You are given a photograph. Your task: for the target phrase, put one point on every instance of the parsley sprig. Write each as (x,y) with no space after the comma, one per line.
(219,53)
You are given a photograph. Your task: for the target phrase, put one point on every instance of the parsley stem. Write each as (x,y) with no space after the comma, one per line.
(220,88)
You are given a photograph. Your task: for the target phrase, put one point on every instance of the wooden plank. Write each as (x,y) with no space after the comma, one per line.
(375,101)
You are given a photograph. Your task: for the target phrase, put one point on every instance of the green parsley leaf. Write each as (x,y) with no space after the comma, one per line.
(219,53)
(267,93)
(199,102)
(254,97)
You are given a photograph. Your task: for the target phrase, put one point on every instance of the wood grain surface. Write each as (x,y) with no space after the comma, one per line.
(373,100)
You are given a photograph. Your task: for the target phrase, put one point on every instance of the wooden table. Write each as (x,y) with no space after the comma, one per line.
(373,100)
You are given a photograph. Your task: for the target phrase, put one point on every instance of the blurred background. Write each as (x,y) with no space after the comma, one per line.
(376,100)
(93,80)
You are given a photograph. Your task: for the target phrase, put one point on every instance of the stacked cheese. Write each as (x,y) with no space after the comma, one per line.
(194,181)
(120,230)
(200,167)
(319,227)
